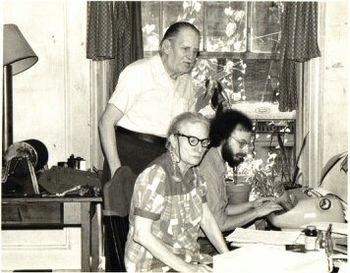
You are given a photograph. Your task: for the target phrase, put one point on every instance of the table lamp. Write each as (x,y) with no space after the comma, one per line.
(18,56)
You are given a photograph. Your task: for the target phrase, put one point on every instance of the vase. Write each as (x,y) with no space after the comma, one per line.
(238,193)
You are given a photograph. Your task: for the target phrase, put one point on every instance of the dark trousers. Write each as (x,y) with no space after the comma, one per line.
(134,152)
(116,233)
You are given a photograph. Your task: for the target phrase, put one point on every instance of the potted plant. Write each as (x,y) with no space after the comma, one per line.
(238,183)
(266,182)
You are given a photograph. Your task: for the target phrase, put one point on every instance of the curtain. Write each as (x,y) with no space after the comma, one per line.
(99,44)
(128,35)
(114,32)
(298,44)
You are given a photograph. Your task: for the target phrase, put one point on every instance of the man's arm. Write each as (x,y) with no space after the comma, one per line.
(233,221)
(234,209)
(238,220)
(106,128)
(227,216)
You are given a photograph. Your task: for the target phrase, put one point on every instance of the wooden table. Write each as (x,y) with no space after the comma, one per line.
(85,212)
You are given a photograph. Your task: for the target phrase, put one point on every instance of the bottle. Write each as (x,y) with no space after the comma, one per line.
(321,240)
(310,238)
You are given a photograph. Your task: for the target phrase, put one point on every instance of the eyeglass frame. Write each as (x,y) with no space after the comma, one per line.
(196,139)
(242,144)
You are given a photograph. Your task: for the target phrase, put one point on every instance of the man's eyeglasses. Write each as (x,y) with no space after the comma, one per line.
(193,141)
(242,143)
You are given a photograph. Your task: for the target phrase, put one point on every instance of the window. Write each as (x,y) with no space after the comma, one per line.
(239,36)
(226,26)
(239,47)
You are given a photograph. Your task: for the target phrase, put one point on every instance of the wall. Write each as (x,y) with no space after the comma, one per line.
(52,98)
(52,102)
(334,110)
(325,100)
(53,249)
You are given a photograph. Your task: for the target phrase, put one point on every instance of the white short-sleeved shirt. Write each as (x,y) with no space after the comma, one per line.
(149,98)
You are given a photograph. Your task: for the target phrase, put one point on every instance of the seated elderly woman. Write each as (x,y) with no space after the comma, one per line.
(169,205)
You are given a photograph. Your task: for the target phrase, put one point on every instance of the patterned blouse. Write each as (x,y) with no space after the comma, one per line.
(176,210)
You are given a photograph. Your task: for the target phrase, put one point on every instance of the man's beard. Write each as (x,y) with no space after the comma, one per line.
(229,156)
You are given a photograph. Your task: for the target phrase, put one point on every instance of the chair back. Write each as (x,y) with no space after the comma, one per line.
(117,194)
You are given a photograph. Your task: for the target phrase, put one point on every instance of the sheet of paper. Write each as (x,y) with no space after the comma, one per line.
(241,235)
(269,259)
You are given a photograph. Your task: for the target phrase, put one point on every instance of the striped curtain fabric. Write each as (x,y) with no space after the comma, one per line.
(114,32)
(99,44)
(298,44)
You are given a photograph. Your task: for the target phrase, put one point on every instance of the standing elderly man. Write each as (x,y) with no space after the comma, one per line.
(230,135)
(149,94)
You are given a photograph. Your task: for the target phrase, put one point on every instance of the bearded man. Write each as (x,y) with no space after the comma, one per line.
(230,141)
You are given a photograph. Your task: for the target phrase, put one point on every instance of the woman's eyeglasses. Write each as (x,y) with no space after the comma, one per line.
(242,143)
(193,141)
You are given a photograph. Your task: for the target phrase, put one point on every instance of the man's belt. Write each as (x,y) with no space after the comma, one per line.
(144,137)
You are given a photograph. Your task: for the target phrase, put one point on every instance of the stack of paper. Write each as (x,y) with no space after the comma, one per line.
(270,259)
(248,236)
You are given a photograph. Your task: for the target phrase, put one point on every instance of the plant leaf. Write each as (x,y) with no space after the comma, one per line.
(296,167)
(284,156)
(344,165)
(330,164)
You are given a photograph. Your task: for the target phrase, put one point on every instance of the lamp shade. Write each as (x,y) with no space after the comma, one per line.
(17,51)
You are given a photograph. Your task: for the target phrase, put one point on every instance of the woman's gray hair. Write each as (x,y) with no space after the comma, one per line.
(185,118)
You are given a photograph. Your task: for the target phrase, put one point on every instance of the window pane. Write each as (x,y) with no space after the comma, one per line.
(242,80)
(226,26)
(259,83)
(189,11)
(150,25)
(265,26)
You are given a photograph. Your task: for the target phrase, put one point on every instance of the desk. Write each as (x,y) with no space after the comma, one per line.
(89,219)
